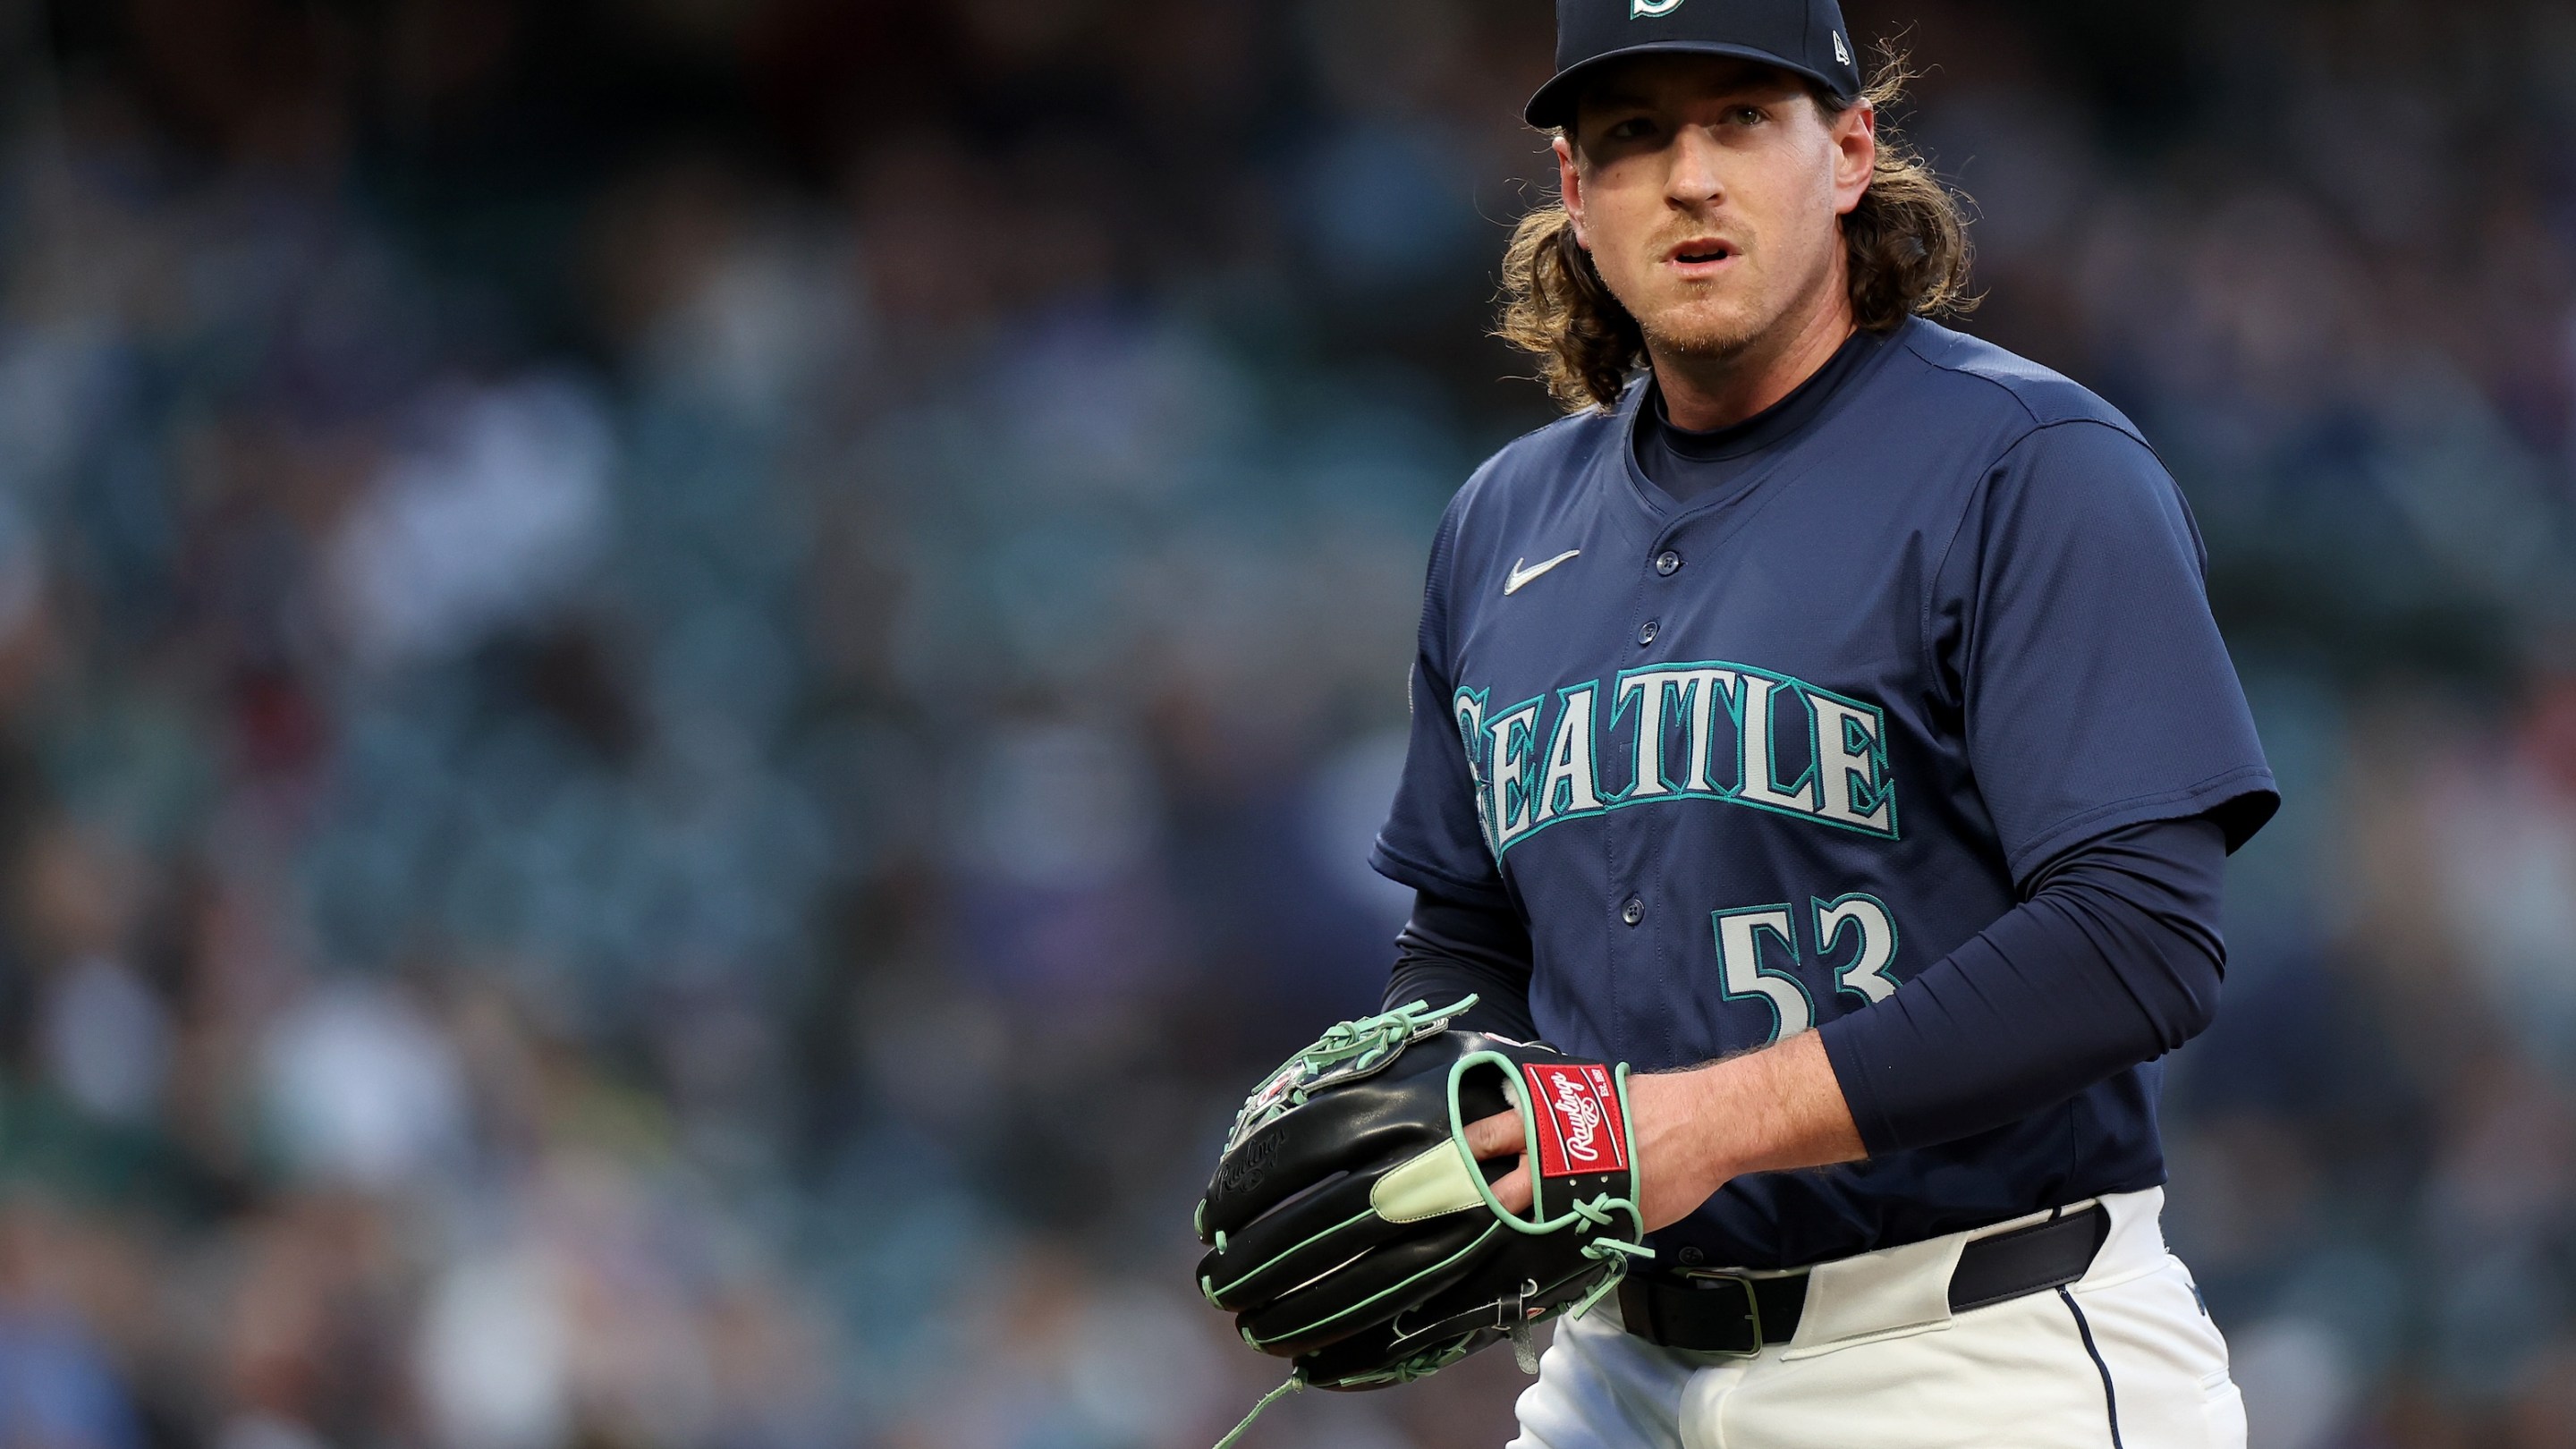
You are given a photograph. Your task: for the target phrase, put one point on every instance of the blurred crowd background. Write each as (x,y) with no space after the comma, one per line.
(687,686)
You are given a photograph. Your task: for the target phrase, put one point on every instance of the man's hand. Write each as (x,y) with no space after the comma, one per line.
(1767,1111)
(1676,1167)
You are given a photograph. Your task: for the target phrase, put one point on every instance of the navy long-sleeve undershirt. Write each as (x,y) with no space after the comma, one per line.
(2114,957)
(1451,949)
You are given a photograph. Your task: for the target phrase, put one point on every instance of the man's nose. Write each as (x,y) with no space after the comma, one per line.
(1694,180)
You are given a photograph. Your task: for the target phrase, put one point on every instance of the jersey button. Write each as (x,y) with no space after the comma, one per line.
(1633,912)
(1646,633)
(1668,563)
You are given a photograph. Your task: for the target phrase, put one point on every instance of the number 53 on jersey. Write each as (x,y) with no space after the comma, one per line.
(1750,939)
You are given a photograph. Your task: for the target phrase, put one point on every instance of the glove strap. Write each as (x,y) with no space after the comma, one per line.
(1594,1211)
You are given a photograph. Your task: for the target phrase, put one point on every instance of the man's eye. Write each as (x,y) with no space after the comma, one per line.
(1630,129)
(1749,116)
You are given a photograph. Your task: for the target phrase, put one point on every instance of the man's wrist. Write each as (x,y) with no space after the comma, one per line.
(1720,1145)
(1773,1110)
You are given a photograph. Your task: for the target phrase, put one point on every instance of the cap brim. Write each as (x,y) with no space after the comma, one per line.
(1554,103)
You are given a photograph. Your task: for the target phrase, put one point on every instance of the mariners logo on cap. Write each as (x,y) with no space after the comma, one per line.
(1640,9)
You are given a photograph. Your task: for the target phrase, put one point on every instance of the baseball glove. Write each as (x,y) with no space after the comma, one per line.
(1351,1230)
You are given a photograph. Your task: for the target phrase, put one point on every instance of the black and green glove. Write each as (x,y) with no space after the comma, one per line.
(1352,1231)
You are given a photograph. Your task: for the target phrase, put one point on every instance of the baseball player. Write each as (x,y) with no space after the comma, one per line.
(1827,719)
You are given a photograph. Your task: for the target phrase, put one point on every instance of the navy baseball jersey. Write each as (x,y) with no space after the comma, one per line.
(1746,765)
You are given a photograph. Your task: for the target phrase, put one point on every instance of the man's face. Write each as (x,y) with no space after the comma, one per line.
(1709,192)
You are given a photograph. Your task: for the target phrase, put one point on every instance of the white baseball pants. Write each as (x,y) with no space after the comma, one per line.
(2126,1357)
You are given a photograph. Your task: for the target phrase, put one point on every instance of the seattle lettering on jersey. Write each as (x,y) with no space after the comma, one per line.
(1707,731)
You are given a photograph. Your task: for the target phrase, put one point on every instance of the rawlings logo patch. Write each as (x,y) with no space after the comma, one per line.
(1580,1131)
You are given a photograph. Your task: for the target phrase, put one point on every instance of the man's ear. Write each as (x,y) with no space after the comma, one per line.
(1569,185)
(1855,134)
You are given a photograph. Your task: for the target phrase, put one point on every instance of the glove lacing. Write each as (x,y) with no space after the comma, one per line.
(1348,1049)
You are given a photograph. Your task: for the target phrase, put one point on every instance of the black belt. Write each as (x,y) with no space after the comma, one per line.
(1736,1313)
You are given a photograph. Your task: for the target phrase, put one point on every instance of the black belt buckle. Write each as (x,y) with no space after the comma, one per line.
(1693,1310)
(1752,1306)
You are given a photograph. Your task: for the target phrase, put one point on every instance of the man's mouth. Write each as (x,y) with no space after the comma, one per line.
(1699,251)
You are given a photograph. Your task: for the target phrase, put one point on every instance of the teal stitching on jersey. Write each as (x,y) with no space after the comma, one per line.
(1806,781)
(1734,705)
(1280,1257)
(1825,944)
(1679,796)
(1877,756)
(1467,711)
(1544,812)
(1787,934)
(1686,699)
(1523,777)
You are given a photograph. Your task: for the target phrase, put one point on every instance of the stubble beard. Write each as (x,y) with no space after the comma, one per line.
(1687,331)
(1691,331)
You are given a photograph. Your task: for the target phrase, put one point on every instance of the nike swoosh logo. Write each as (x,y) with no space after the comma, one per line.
(1521,576)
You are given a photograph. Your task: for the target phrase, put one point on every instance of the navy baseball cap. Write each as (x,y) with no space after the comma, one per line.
(1804,36)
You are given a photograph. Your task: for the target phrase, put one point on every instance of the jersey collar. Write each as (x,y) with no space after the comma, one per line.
(1738,505)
